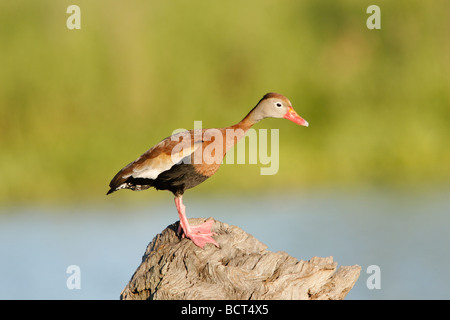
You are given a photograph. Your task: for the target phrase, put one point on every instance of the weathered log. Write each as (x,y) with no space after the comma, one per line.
(242,268)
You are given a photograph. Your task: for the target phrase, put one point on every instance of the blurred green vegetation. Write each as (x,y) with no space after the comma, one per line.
(78,105)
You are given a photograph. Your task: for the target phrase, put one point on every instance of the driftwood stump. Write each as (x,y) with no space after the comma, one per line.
(242,268)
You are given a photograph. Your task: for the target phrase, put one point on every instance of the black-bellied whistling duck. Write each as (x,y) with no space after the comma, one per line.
(182,161)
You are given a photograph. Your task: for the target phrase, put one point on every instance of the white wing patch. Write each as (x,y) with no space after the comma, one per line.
(164,162)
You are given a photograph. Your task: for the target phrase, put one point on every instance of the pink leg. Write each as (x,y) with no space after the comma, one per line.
(200,234)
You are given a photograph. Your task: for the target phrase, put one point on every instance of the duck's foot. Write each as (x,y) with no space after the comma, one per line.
(201,239)
(200,234)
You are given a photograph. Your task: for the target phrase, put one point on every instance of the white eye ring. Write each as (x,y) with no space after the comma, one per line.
(278,104)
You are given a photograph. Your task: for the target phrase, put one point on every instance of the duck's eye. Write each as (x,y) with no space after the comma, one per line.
(278,104)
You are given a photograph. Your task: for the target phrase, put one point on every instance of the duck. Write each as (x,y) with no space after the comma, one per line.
(188,158)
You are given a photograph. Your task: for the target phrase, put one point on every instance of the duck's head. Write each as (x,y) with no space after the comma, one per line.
(274,105)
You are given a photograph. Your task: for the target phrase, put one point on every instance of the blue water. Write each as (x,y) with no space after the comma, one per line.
(406,235)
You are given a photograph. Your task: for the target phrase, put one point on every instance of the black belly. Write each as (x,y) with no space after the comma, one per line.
(177,179)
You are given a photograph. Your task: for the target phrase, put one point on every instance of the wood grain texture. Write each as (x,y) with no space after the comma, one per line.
(242,268)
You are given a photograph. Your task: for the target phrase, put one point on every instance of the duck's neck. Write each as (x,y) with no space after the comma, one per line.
(236,132)
(250,119)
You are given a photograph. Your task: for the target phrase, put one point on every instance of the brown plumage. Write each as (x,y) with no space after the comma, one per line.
(186,159)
